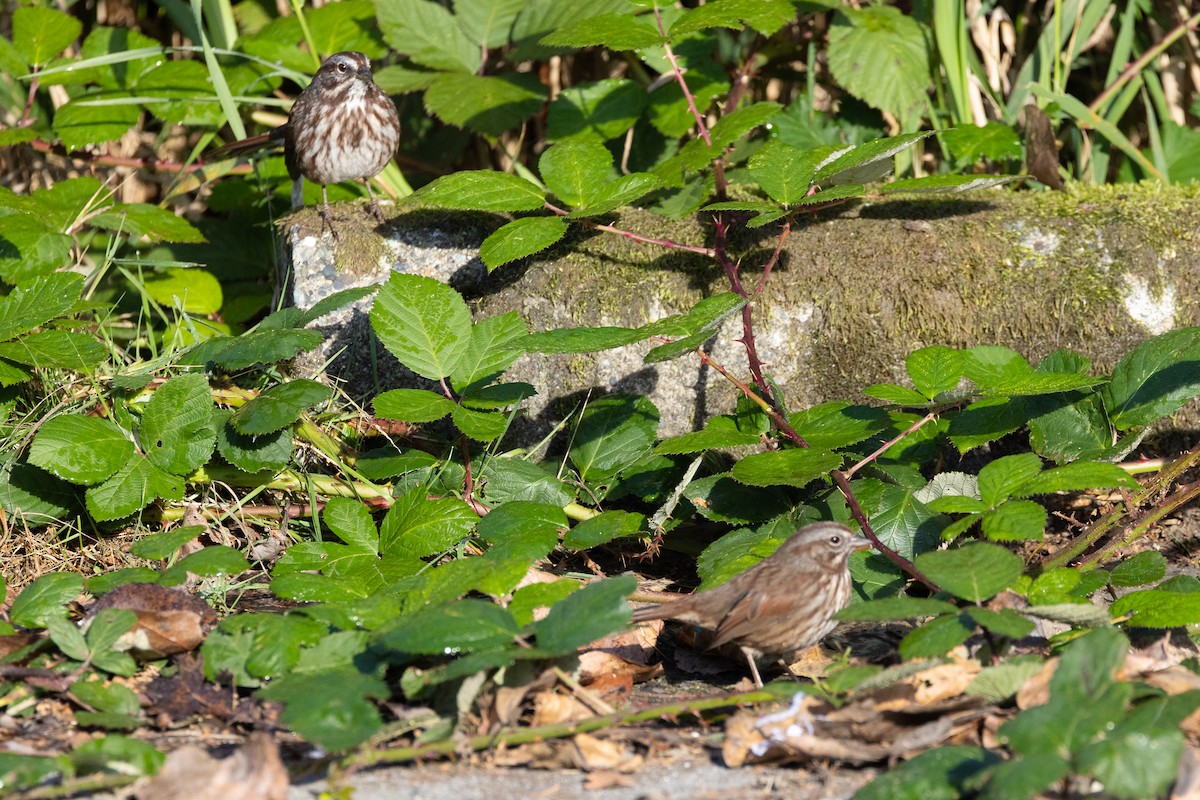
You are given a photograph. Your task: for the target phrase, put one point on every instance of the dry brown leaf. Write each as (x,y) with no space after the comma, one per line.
(593,753)
(550,708)
(169,621)
(253,772)
(944,681)
(1036,690)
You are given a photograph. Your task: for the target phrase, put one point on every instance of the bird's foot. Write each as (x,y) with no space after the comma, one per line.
(327,221)
(375,211)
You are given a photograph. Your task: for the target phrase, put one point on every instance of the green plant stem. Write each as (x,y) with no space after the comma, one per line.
(1134,69)
(1179,498)
(84,786)
(560,730)
(289,481)
(298,10)
(1102,526)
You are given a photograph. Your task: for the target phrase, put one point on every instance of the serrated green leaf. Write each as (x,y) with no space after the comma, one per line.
(764,16)
(603,528)
(462,626)
(39,34)
(879,55)
(785,467)
(279,406)
(718,433)
(987,420)
(614,432)
(252,452)
(837,424)
(258,347)
(38,302)
(1076,477)
(424,323)
(899,395)
(575,171)
(937,637)
(1156,608)
(784,172)
(80,449)
(133,487)
(1140,569)
(55,350)
(212,560)
(943,773)
(1015,520)
(158,546)
(174,431)
(45,598)
(490,104)
(614,31)
(1154,379)
(586,615)
(330,708)
(482,426)
(596,111)
(974,572)
(415,526)
(95,118)
(34,249)
(428,34)
(412,405)
(520,238)
(1005,622)
(480,190)
(934,369)
(946,184)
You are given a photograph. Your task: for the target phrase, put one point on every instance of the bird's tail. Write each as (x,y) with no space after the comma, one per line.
(251,144)
(647,613)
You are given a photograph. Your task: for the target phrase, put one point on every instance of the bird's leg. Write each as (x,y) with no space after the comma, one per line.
(326,216)
(297,193)
(758,684)
(373,209)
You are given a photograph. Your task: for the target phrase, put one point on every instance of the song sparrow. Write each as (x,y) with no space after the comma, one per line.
(342,127)
(781,604)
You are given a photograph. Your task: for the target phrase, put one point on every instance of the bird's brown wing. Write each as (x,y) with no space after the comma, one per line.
(743,614)
(747,614)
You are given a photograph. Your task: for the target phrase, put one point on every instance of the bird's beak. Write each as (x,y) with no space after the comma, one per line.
(860,543)
(365,73)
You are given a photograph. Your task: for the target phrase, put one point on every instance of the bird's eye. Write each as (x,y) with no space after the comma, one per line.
(341,67)
(835,539)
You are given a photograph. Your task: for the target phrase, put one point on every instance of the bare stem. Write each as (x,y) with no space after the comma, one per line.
(670,244)
(890,444)
(839,477)
(678,72)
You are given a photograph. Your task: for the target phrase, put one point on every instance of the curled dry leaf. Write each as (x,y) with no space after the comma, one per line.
(169,621)
(253,772)
(550,708)
(594,753)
